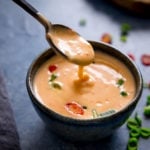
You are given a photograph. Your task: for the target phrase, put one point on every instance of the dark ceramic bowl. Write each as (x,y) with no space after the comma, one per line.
(84,130)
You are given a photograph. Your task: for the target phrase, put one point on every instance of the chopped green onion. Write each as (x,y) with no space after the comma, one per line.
(138,120)
(125,28)
(135,132)
(120,82)
(123,38)
(53,77)
(82,22)
(148,100)
(94,113)
(132,123)
(56,85)
(145,132)
(107,113)
(147,111)
(132,144)
(123,93)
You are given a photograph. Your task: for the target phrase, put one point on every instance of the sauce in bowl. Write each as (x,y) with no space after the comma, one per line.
(101,88)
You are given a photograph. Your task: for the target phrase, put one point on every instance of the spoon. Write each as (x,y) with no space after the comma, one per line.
(64,40)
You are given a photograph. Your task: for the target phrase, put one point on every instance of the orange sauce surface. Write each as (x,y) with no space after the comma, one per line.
(94,87)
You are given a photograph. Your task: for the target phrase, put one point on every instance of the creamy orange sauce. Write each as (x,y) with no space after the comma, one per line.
(77,49)
(95,89)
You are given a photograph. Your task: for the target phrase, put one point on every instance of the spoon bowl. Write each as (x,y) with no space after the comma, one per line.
(70,45)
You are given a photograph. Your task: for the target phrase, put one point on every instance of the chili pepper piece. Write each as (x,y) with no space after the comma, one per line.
(145,59)
(74,108)
(131,56)
(52,68)
(106,38)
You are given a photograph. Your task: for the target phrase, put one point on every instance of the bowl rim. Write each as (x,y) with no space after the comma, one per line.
(57,116)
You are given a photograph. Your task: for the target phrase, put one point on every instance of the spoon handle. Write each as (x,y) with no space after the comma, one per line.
(35,13)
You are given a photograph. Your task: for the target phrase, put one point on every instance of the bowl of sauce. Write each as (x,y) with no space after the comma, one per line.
(84,103)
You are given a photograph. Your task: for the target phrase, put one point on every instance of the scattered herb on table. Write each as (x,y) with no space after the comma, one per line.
(125,28)
(138,120)
(148,100)
(147,107)
(136,131)
(132,144)
(82,22)
(147,111)
(106,38)
(145,132)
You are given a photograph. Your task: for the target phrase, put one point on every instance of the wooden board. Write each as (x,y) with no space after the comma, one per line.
(140,7)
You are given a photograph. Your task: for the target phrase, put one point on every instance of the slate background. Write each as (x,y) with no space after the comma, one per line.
(22,39)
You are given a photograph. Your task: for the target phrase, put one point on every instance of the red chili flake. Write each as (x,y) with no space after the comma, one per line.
(106,38)
(131,56)
(74,108)
(145,59)
(52,68)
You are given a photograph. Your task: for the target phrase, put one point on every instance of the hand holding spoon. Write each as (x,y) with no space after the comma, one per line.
(64,40)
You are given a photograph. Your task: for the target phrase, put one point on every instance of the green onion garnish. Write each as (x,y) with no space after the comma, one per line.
(148,100)
(138,120)
(132,123)
(120,82)
(136,131)
(82,22)
(125,28)
(107,113)
(94,113)
(123,93)
(53,77)
(56,85)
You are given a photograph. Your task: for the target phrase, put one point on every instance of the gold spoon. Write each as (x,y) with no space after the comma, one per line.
(64,40)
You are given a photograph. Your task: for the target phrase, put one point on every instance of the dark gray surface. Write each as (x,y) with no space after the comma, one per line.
(22,39)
